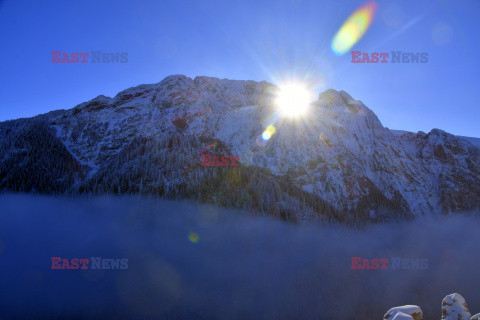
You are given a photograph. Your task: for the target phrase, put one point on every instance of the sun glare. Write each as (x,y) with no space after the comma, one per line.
(293,99)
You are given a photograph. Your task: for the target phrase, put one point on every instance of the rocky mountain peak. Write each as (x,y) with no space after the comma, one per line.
(339,154)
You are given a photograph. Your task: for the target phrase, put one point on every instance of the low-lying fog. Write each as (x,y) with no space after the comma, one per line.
(190,261)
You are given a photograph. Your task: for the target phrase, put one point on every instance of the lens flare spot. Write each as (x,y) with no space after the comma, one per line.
(193,237)
(354,28)
(268,133)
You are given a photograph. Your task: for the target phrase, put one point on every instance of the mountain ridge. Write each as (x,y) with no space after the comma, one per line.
(339,158)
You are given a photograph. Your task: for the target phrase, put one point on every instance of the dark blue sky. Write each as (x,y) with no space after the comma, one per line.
(258,40)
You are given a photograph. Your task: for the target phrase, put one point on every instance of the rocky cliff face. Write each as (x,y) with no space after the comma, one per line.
(339,162)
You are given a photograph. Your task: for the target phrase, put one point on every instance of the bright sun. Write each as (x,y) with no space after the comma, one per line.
(293,99)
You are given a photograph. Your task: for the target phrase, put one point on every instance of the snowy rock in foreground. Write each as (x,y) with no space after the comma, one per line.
(404,312)
(402,316)
(454,307)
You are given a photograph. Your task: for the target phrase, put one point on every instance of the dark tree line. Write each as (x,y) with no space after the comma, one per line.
(169,166)
(33,159)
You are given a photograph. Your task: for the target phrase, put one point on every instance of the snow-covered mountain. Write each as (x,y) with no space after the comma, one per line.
(338,163)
